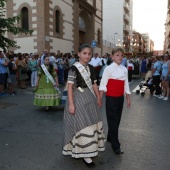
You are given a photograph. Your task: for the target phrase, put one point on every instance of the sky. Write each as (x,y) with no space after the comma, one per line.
(149,16)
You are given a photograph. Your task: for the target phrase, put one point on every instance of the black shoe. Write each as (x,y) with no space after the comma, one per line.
(118,151)
(47,109)
(90,165)
(108,140)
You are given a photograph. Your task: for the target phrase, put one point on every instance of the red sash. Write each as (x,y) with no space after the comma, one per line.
(129,67)
(97,68)
(115,88)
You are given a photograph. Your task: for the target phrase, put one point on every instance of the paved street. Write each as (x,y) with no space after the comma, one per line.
(31,139)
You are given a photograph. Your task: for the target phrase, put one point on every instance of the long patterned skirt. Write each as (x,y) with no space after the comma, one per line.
(83,131)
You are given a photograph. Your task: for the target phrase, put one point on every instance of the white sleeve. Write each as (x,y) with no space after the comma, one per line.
(104,80)
(132,66)
(127,90)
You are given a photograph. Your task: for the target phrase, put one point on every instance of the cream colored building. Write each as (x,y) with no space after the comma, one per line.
(151,45)
(146,38)
(167,30)
(58,24)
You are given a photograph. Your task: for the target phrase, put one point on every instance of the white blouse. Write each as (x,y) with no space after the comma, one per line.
(95,62)
(114,71)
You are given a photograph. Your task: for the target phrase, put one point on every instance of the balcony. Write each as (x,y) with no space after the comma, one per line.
(126,18)
(126,28)
(126,7)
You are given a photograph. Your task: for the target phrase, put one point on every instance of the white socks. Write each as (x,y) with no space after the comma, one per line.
(88,160)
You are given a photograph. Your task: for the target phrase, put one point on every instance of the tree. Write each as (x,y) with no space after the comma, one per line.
(8,25)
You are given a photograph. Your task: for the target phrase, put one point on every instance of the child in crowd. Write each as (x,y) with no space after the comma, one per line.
(130,67)
(115,83)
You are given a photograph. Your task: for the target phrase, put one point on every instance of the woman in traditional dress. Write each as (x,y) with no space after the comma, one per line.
(83,127)
(45,93)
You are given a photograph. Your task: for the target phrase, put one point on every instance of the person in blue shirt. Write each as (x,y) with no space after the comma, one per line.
(165,77)
(124,61)
(3,73)
(156,76)
(60,64)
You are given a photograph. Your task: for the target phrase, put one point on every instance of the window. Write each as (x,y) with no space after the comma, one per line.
(57,21)
(24,18)
(81,24)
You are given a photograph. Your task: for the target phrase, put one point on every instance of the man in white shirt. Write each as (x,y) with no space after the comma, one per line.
(96,63)
(53,61)
(41,60)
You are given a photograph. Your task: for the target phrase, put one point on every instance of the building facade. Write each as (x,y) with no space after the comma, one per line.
(117,24)
(57,24)
(151,45)
(147,42)
(167,30)
(138,44)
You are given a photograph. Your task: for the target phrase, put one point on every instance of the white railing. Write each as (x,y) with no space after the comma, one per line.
(126,17)
(126,27)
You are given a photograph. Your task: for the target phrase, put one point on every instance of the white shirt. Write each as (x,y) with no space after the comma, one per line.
(95,62)
(53,61)
(104,60)
(130,65)
(114,71)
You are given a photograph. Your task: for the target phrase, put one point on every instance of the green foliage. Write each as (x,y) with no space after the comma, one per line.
(9,25)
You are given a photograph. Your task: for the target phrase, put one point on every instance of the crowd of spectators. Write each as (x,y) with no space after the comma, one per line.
(21,69)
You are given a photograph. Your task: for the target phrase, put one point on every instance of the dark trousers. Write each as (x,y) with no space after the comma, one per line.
(156,82)
(114,107)
(61,76)
(130,75)
(97,71)
(6,78)
(66,74)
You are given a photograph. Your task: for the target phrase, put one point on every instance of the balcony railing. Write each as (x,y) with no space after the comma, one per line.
(126,17)
(126,28)
(126,6)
